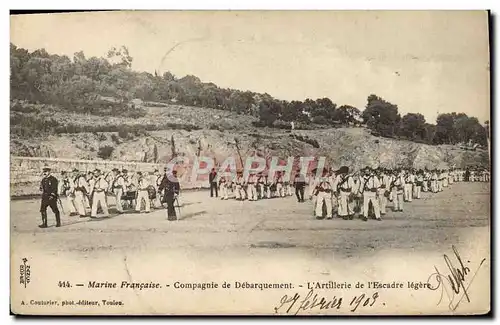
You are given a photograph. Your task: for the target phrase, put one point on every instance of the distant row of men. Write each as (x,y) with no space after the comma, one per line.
(260,186)
(338,192)
(80,192)
(366,193)
(252,188)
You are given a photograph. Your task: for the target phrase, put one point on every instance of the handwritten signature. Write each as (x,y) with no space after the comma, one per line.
(454,283)
(314,301)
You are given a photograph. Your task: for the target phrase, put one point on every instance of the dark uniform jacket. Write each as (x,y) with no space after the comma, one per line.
(212,176)
(49,186)
(170,185)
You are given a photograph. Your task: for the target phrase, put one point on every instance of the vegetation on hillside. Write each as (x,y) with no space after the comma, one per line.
(108,87)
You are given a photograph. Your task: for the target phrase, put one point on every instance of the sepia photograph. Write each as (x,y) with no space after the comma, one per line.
(291,163)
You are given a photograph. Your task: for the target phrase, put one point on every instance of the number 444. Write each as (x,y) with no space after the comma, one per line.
(64,284)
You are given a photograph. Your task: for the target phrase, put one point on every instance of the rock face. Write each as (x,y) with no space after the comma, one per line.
(352,147)
(32,150)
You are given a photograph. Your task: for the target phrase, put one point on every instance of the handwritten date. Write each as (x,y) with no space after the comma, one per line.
(312,301)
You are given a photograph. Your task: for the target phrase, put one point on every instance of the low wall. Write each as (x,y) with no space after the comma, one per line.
(25,172)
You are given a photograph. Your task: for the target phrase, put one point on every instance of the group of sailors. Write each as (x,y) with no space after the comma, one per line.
(79,193)
(366,193)
(250,187)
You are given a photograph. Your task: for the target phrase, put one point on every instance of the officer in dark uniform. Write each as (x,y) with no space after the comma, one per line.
(49,187)
(299,184)
(170,184)
(212,178)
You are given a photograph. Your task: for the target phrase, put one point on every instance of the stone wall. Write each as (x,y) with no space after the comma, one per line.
(25,172)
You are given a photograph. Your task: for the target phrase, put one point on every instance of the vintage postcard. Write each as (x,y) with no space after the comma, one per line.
(250,163)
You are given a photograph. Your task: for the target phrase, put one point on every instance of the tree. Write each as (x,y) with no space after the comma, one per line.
(346,114)
(106,85)
(413,126)
(429,133)
(268,112)
(381,116)
(452,128)
(120,56)
(444,129)
(322,111)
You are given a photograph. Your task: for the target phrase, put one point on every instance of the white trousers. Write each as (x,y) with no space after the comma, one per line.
(70,204)
(118,198)
(237,192)
(265,192)
(434,186)
(99,198)
(407,192)
(418,190)
(382,200)
(224,192)
(280,191)
(397,199)
(143,195)
(323,197)
(80,202)
(252,192)
(344,210)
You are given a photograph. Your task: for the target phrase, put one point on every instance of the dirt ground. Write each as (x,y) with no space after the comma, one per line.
(268,241)
(435,221)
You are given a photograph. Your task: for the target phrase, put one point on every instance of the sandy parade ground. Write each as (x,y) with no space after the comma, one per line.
(217,241)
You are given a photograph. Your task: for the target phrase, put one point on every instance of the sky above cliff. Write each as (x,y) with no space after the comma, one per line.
(425,62)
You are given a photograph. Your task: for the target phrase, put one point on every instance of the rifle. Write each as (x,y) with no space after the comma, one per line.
(60,203)
(392,183)
(344,179)
(178,206)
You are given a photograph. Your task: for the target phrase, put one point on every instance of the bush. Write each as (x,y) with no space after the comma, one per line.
(282,125)
(123,132)
(320,120)
(22,107)
(29,125)
(214,126)
(304,126)
(306,139)
(115,139)
(258,124)
(155,104)
(105,152)
(178,126)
